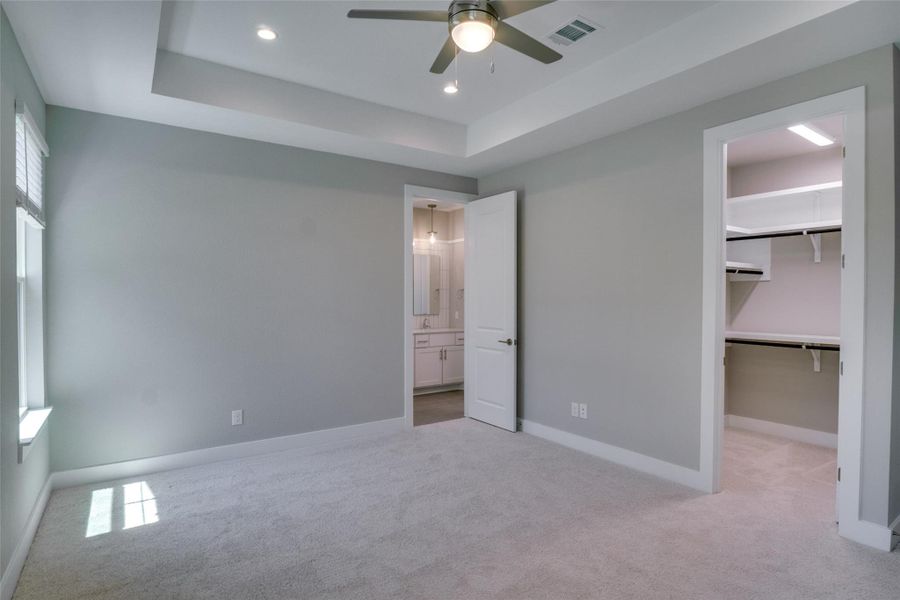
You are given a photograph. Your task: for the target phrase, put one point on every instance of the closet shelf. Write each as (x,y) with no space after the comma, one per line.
(803,210)
(734,267)
(784,340)
(814,343)
(756,233)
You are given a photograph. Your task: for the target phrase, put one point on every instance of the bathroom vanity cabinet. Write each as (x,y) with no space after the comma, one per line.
(439,358)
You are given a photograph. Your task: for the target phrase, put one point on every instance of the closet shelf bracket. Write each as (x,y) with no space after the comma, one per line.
(817,359)
(816,240)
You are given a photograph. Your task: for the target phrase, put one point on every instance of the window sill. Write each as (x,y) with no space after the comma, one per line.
(30,426)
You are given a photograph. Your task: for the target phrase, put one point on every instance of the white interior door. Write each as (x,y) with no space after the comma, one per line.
(490,304)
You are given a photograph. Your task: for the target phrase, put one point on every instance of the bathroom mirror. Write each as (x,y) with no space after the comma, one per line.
(426,284)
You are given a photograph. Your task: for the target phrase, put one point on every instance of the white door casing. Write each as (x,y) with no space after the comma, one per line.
(490,320)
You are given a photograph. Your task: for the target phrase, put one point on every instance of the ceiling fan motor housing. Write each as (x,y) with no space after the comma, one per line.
(461,11)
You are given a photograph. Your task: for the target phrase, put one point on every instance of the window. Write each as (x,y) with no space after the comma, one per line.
(30,152)
(20,311)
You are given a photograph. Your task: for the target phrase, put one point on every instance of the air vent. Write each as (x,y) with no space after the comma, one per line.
(572,31)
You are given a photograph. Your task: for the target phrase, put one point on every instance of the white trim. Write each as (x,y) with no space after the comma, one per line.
(620,456)
(850,103)
(17,560)
(144,466)
(32,423)
(818,187)
(790,432)
(410,193)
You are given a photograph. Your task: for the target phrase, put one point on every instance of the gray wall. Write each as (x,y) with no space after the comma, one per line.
(779,385)
(794,171)
(610,278)
(20,484)
(189,274)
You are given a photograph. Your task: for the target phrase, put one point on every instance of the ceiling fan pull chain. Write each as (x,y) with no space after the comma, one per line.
(456,67)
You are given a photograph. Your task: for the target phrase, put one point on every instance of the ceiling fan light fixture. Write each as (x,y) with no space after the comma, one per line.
(473,36)
(451,88)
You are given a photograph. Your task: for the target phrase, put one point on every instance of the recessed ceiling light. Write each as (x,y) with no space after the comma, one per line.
(450,88)
(816,137)
(266,33)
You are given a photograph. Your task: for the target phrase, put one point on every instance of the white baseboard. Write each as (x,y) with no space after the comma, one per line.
(799,434)
(17,560)
(145,466)
(621,456)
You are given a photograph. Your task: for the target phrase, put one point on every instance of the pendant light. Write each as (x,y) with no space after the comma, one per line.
(431,232)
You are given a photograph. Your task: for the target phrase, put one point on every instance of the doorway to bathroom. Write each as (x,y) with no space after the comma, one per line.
(460,297)
(438,311)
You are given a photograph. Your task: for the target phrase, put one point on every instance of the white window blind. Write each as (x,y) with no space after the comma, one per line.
(30,152)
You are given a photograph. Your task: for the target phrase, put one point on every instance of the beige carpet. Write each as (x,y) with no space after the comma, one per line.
(457,510)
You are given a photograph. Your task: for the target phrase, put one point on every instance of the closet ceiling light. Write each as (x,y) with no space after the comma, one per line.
(813,135)
(451,88)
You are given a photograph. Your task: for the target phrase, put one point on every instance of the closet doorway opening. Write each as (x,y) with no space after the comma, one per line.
(783,307)
(434,305)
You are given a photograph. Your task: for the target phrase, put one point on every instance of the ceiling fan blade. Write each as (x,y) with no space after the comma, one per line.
(524,43)
(510,8)
(400,15)
(444,57)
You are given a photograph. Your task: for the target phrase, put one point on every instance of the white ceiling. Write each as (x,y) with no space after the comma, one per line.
(362,88)
(387,62)
(781,143)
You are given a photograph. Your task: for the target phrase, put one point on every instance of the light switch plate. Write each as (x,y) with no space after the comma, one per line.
(574,409)
(237,417)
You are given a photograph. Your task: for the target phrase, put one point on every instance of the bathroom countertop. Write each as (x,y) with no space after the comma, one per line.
(437,330)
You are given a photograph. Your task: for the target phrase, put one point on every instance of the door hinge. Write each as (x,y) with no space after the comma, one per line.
(842,367)
(843,260)
(844,152)
(724,361)
(839,474)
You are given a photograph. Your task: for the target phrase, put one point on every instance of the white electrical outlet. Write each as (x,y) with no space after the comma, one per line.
(582,411)
(574,409)
(237,417)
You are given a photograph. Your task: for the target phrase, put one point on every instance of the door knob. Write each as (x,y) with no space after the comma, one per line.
(507,341)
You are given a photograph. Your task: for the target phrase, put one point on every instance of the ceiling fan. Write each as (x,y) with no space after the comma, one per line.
(473,25)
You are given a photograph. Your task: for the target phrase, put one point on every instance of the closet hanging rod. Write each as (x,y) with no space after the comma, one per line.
(775,234)
(797,345)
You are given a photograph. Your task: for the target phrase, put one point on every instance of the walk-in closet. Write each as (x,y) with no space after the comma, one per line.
(783,216)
